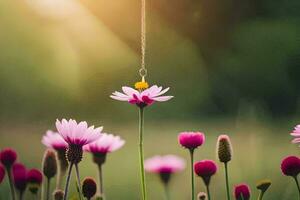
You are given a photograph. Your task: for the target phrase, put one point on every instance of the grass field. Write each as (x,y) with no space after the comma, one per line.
(258,151)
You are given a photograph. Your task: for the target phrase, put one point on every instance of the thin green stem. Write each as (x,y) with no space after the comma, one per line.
(242,197)
(167,192)
(11,185)
(261,194)
(48,189)
(21,195)
(78,181)
(68,181)
(297,183)
(208,192)
(227,181)
(141,152)
(101,190)
(192,174)
(35,196)
(59,179)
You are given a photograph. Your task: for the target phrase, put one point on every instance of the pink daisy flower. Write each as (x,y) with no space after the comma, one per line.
(165,166)
(77,133)
(54,140)
(296,134)
(107,143)
(142,98)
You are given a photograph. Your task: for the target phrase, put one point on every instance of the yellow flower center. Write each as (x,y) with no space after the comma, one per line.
(141,85)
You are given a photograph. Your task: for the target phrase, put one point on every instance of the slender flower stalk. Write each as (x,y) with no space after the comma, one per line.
(101,188)
(165,167)
(78,181)
(141,152)
(11,186)
(192,173)
(208,192)
(227,180)
(68,181)
(297,183)
(8,157)
(167,192)
(191,141)
(224,152)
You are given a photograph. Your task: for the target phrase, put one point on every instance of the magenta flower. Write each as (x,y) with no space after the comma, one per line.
(54,140)
(191,140)
(107,143)
(20,177)
(142,98)
(242,192)
(34,176)
(77,133)
(8,157)
(205,169)
(296,134)
(2,173)
(34,179)
(290,166)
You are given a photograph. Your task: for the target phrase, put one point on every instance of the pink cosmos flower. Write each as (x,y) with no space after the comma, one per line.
(54,140)
(77,133)
(242,191)
(142,98)
(191,140)
(296,134)
(165,166)
(107,143)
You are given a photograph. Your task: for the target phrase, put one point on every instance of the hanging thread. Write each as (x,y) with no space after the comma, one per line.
(143,70)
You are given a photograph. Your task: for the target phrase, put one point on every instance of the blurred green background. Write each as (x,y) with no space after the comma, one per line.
(233,67)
